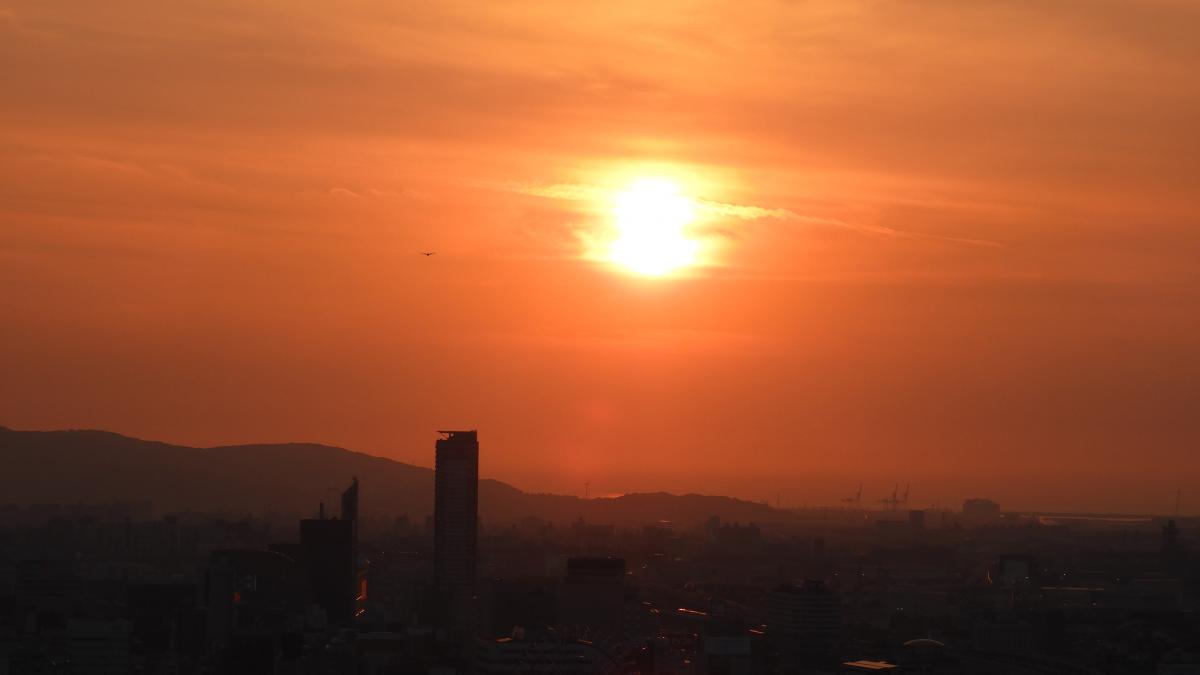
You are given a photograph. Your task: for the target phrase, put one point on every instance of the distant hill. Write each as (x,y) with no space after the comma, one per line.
(90,467)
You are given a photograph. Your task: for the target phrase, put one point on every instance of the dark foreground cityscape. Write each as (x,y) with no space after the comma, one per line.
(115,588)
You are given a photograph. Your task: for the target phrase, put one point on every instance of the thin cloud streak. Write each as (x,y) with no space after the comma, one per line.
(594,193)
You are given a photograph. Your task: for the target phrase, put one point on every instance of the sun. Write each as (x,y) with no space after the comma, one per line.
(651,218)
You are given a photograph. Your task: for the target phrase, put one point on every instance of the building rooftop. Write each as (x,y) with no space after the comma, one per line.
(869,666)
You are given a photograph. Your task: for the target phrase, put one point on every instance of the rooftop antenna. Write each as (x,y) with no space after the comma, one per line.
(1177,497)
(587,490)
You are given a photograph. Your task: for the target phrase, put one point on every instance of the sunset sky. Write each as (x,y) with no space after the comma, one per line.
(952,244)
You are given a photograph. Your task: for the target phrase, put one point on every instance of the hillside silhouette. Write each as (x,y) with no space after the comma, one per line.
(94,467)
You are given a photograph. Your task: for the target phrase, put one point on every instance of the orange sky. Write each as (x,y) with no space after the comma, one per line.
(958,245)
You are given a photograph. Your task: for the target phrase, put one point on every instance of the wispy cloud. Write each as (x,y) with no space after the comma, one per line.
(565,191)
(580,192)
(742,211)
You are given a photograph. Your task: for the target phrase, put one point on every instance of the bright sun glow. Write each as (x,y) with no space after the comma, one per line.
(651,218)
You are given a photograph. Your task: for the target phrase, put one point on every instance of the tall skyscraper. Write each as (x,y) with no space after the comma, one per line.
(455,525)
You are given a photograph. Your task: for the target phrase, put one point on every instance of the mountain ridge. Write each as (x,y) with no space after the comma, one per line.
(97,466)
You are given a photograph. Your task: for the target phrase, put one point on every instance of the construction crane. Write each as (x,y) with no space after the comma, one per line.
(895,500)
(855,499)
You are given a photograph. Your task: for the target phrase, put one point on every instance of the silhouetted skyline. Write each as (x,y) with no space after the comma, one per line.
(860,588)
(804,338)
(251,478)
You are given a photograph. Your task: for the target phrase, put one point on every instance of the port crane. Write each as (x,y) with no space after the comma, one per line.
(895,500)
(855,499)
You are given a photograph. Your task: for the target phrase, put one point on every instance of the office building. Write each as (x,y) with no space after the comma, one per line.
(455,535)
(977,512)
(329,551)
(251,598)
(803,623)
(591,600)
(542,653)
